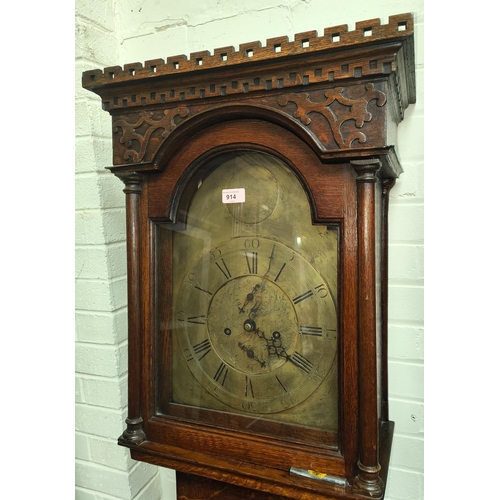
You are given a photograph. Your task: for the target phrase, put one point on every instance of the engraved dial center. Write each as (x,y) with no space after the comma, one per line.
(253,319)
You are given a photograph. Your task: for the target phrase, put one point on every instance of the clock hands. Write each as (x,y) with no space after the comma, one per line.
(274,346)
(252,295)
(271,258)
(249,298)
(296,358)
(251,354)
(253,311)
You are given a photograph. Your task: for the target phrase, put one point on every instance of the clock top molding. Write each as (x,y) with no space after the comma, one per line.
(344,93)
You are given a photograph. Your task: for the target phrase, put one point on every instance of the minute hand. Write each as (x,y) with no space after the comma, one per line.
(271,258)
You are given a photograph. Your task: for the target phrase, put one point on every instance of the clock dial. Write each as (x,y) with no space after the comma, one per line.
(254,298)
(257,328)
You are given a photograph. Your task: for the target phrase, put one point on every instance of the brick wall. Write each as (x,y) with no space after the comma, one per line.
(103,469)
(118,32)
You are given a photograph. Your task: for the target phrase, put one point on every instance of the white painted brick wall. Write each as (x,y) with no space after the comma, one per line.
(115,32)
(103,469)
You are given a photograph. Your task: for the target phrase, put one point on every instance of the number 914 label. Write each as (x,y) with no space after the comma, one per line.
(233,195)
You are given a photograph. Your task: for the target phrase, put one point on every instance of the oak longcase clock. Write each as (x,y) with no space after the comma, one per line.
(257,189)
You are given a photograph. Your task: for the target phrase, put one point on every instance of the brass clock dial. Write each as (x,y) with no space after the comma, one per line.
(254,297)
(258,325)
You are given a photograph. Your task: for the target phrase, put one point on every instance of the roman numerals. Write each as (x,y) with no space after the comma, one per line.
(223,268)
(320,290)
(254,324)
(313,331)
(301,362)
(281,384)
(203,290)
(252,261)
(249,388)
(192,278)
(200,350)
(221,374)
(197,320)
(302,297)
(279,272)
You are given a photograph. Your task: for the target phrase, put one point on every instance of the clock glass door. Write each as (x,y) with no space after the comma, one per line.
(250,303)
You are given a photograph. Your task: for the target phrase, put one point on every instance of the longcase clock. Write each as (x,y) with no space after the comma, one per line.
(257,189)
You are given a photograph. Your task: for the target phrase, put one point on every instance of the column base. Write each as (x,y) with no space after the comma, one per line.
(133,434)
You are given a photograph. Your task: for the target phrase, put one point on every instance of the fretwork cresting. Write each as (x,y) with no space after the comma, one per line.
(275,50)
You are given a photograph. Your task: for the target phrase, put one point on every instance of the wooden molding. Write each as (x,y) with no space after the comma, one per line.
(307,49)
(343,92)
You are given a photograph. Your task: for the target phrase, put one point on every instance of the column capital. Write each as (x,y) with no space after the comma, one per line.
(366,169)
(133,181)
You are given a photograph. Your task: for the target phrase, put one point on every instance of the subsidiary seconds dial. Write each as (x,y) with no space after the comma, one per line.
(257,325)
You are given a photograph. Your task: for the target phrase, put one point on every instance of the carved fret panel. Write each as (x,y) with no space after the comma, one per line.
(338,118)
(137,136)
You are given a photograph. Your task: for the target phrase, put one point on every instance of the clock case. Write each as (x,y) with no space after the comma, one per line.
(328,105)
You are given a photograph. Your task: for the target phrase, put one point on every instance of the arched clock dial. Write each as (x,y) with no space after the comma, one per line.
(257,325)
(254,297)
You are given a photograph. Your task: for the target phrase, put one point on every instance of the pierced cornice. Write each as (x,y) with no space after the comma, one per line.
(306,60)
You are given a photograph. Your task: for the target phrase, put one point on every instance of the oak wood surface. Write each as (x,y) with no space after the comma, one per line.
(328,107)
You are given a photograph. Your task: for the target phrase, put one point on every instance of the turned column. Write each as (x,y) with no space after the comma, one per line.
(367,480)
(134,433)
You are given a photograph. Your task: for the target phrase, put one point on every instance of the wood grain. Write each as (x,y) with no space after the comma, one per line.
(328,107)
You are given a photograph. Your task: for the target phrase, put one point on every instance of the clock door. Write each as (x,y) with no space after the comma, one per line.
(248,336)
(254,326)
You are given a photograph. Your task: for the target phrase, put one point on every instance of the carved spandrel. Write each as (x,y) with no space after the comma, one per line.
(138,136)
(347,112)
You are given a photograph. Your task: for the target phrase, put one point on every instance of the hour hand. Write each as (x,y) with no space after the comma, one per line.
(253,311)
(276,348)
(249,298)
(251,354)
